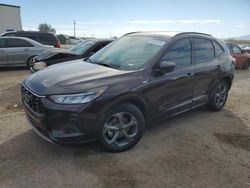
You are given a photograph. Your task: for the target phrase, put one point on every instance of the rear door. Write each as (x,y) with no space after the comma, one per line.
(207,70)
(18,51)
(3,56)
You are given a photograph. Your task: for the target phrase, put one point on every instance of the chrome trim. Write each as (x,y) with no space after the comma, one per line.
(41,96)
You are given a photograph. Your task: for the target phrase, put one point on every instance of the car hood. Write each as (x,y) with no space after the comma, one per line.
(75,77)
(52,52)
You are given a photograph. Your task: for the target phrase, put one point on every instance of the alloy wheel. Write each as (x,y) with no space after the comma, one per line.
(220,96)
(120,129)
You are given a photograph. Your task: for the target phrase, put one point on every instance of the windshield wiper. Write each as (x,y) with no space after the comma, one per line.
(104,64)
(99,63)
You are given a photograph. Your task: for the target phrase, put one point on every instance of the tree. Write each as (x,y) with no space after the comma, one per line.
(44,27)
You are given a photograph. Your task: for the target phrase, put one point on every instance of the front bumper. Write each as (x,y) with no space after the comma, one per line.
(63,124)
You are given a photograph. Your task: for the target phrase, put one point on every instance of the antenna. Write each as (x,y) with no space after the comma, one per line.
(74,28)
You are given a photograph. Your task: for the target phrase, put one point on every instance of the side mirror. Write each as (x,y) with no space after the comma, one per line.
(166,66)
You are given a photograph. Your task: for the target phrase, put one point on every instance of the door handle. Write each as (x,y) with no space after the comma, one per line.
(1,50)
(26,50)
(218,67)
(189,74)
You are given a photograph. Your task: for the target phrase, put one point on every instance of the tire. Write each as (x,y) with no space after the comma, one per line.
(121,128)
(29,62)
(218,97)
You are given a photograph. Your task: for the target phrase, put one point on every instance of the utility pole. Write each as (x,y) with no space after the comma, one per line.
(74,28)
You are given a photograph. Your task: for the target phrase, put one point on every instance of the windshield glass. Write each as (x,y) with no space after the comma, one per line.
(82,47)
(129,52)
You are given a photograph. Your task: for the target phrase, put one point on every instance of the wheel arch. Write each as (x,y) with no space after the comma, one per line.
(228,80)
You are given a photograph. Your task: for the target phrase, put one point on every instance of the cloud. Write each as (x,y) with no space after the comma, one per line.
(240,26)
(173,21)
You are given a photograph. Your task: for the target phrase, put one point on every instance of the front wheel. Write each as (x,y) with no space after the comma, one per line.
(121,128)
(219,96)
(30,62)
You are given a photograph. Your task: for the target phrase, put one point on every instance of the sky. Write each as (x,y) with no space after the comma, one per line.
(105,18)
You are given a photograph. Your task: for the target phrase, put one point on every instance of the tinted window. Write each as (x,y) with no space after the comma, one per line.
(12,43)
(9,34)
(236,49)
(2,43)
(46,39)
(179,53)
(217,49)
(204,51)
(29,35)
(82,47)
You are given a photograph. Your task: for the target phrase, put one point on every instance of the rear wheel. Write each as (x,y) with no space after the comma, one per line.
(121,128)
(219,96)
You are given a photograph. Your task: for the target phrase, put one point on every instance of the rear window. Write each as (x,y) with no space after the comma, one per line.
(14,43)
(218,50)
(204,51)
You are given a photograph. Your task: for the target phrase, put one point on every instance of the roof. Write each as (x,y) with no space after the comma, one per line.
(166,33)
(99,40)
(6,5)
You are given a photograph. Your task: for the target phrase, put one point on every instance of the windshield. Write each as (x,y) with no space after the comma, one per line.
(129,52)
(82,47)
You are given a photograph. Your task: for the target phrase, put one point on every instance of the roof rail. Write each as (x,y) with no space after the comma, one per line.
(132,33)
(193,33)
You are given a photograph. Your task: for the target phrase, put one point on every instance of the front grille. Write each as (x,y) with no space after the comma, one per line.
(33,101)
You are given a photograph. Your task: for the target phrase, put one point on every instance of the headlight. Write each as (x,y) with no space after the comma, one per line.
(78,98)
(39,65)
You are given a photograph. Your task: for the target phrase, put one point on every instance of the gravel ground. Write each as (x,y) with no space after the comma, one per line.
(195,149)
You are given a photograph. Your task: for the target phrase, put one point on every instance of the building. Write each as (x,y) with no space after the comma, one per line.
(10,18)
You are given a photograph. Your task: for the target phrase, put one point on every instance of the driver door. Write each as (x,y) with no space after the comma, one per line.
(173,91)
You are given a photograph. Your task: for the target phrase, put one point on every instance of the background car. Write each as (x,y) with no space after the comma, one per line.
(81,50)
(19,51)
(74,40)
(247,49)
(43,38)
(242,58)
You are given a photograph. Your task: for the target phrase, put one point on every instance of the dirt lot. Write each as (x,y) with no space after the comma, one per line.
(195,149)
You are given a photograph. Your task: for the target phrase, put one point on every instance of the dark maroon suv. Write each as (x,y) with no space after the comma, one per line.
(135,79)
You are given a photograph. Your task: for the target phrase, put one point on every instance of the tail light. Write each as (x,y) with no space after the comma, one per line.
(58,45)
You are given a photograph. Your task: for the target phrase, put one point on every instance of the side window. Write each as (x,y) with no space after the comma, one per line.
(204,51)
(15,43)
(9,34)
(218,49)
(236,49)
(28,35)
(179,53)
(2,43)
(46,39)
